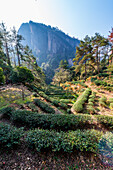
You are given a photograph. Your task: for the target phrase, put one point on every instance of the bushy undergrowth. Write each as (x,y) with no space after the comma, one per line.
(86,140)
(78,105)
(9,136)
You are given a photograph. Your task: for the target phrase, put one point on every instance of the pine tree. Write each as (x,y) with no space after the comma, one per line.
(16,39)
(6,39)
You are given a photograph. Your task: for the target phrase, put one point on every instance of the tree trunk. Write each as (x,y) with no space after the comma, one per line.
(7,53)
(97,62)
(85,70)
(22,92)
(18,55)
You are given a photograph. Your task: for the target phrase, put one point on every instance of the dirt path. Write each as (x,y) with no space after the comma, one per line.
(107,94)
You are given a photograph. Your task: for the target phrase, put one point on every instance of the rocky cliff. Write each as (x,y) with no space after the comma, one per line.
(49,44)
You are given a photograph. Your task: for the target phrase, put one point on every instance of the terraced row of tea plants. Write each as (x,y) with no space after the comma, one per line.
(59,120)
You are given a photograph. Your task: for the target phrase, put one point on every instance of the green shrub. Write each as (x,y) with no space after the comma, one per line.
(63,105)
(103,99)
(97,82)
(111,105)
(65,100)
(48,121)
(35,94)
(102,104)
(91,100)
(93,79)
(103,75)
(33,107)
(90,109)
(9,136)
(78,105)
(91,103)
(69,111)
(110,100)
(44,106)
(107,121)
(6,111)
(56,141)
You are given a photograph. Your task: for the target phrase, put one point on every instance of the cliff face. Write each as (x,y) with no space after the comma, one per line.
(49,45)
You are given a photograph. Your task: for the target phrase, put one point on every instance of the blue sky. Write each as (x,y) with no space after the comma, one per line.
(75,17)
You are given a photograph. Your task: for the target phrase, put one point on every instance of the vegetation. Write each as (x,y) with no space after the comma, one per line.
(78,105)
(63,116)
(9,136)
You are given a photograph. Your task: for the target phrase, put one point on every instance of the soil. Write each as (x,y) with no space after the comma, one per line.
(24,159)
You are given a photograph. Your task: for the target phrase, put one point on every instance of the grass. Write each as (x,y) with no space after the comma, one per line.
(14,95)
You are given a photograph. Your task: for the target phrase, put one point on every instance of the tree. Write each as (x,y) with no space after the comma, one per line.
(16,39)
(99,43)
(90,54)
(63,64)
(83,54)
(61,76)
(22,75)
(5,38)
(2,56)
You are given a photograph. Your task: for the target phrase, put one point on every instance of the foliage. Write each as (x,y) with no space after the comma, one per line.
(22,75)
(56,141)
(107,121)
(9,136)
(91,102)
(103,101)
(44,106)
(91,55)
(53,121)
(111,105)
(78,105)
(61,76)
(2,78)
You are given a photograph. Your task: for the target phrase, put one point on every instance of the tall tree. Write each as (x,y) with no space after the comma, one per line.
(16,39)
(6,39)
(83,54)
(99,44)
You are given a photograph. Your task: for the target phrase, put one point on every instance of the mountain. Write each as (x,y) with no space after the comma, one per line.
(50,45)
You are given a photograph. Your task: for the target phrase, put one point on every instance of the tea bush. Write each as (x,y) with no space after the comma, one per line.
(48,121)
(78,105)
(9,136)
(107,121)
(44,106)
(86,140)
(111,105)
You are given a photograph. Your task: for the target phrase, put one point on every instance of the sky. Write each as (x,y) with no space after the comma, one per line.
(76,18)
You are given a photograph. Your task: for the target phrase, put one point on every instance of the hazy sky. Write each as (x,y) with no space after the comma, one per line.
(75,17)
